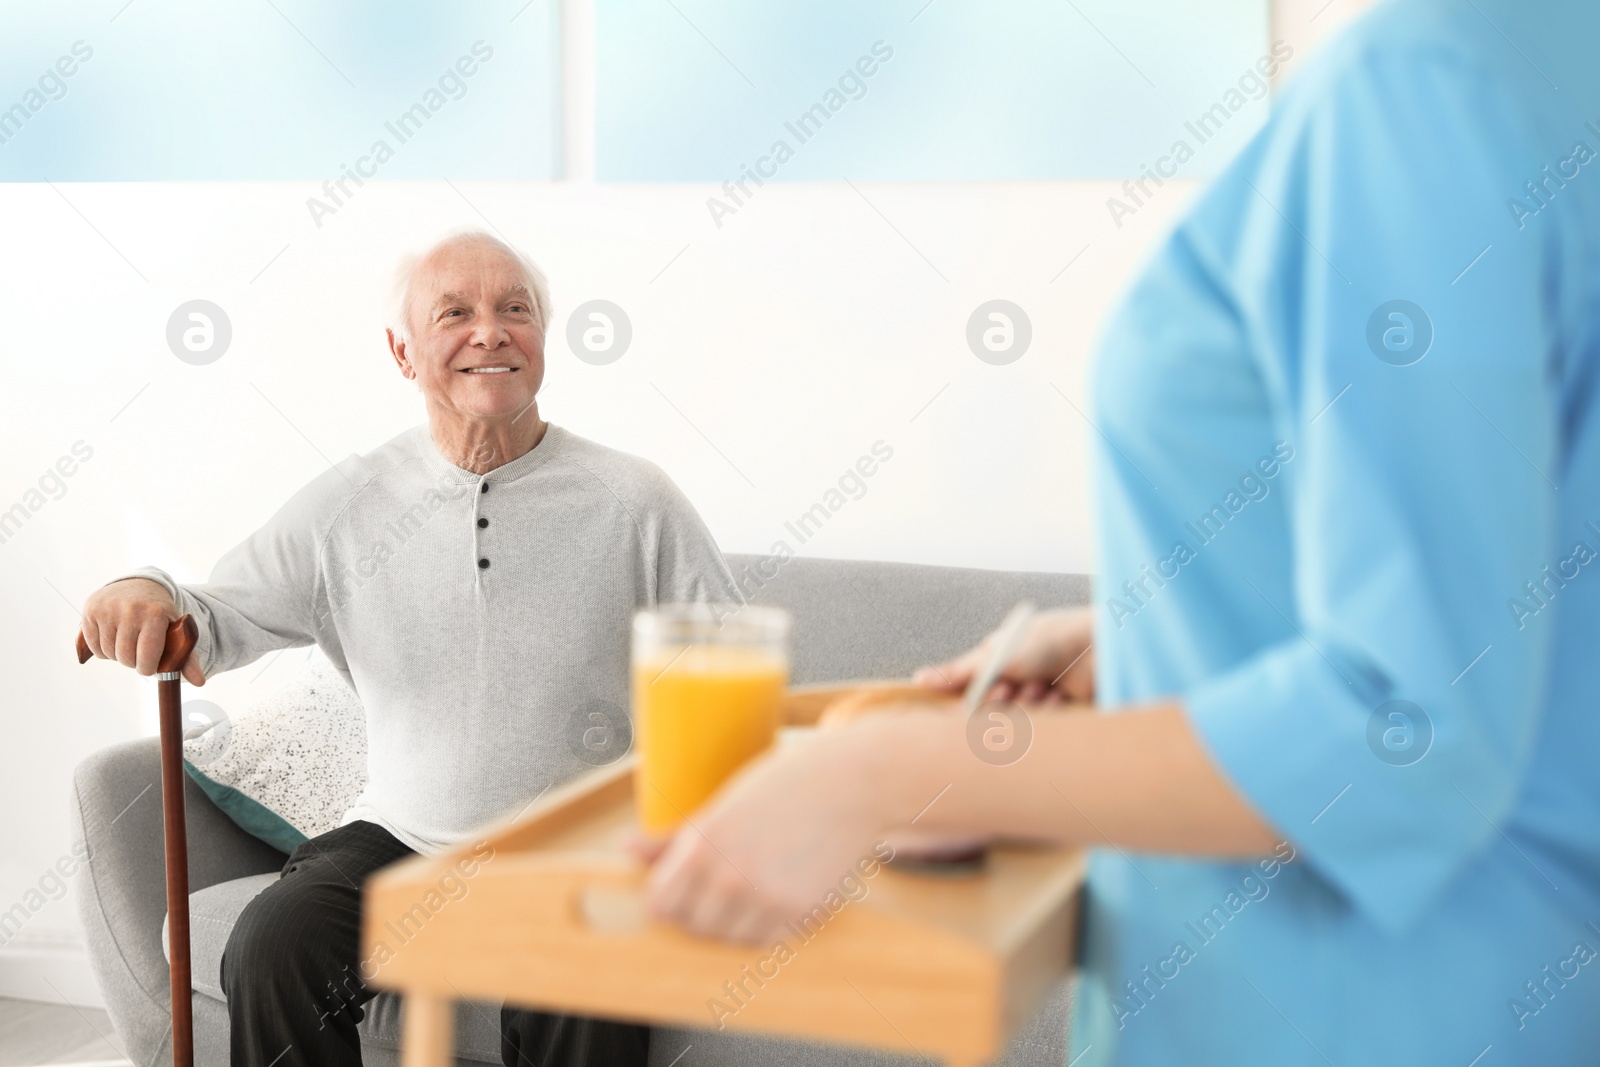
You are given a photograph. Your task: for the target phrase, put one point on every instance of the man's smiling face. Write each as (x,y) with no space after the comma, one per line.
(476,345)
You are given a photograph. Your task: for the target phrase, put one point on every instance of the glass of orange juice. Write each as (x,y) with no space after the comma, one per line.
(707,683)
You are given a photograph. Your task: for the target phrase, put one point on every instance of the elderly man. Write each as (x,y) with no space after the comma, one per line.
(474,579)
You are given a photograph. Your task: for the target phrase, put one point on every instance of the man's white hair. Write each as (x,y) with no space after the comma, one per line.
(405,272)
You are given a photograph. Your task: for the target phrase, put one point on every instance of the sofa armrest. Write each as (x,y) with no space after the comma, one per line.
(122,896)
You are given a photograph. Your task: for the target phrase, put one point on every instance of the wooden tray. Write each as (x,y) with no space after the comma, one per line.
(943,967)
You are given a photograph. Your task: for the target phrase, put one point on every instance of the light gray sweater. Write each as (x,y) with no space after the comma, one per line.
(483,620)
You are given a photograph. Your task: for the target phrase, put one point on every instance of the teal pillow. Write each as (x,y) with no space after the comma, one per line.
(251,816)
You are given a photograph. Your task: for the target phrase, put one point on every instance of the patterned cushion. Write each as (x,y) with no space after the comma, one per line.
(290,766)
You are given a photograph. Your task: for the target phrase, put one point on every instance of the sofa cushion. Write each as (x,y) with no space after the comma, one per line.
(212,914)
(856,619)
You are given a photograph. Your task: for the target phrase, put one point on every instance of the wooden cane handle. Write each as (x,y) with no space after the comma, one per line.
(182,635)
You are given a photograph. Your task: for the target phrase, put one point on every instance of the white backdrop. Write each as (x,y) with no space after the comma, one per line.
(767,356)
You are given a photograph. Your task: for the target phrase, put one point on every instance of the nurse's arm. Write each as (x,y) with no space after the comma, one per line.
(1140,780)
(778,838)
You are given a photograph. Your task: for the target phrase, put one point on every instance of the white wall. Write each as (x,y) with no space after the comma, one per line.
(767,356)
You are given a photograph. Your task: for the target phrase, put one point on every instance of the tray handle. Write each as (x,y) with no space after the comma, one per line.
(610,901)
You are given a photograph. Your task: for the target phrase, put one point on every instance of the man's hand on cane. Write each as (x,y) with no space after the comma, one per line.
(127,621)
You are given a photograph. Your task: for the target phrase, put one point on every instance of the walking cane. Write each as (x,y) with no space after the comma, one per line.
(181,638)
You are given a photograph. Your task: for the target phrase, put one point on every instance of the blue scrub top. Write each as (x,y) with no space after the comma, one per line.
(1350,514)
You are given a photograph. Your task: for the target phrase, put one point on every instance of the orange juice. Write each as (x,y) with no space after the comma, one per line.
(700,712)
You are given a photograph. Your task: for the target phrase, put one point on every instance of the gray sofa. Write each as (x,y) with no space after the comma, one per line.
(851,620)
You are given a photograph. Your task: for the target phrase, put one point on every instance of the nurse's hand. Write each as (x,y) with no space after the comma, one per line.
(1054,665)
(783,834)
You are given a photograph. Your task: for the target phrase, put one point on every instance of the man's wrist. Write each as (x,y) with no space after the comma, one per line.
(141,578)
(158,580)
